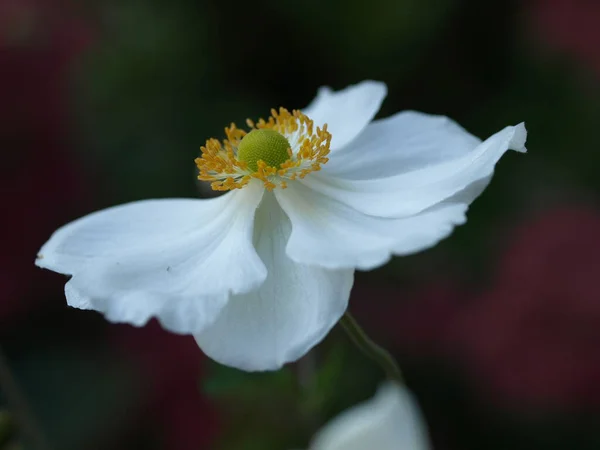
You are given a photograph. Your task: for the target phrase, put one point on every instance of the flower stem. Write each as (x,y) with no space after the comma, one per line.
(364,343)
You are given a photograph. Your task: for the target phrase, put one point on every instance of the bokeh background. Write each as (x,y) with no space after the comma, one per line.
(497,329)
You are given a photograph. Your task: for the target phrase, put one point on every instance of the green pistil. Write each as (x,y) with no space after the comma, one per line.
(266,145)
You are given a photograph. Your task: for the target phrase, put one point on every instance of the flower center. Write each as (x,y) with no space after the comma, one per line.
(264,145)
(285,147)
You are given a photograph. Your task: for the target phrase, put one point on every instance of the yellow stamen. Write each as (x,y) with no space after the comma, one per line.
(284,147)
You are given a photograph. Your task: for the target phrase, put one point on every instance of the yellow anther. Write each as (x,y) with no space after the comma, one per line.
(286,146)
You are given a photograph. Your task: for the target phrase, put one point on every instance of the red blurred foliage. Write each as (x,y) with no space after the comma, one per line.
(170,369)
(414,321)
(39,42)
(532,338)
(570,26)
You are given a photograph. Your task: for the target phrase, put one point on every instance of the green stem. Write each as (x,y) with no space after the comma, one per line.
(364,343)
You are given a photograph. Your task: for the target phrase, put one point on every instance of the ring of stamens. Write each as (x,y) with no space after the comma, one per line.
(309,146)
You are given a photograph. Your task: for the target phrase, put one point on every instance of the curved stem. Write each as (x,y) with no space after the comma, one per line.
(364,343)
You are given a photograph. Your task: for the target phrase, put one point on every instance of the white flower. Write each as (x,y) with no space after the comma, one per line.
(388,421)
(262,273)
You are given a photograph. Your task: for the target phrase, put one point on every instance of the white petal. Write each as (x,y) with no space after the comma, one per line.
(288,315)
(76,299)
(406,141)
(389,421)
(330,234)
(346,112)
(429,168)
(177,260)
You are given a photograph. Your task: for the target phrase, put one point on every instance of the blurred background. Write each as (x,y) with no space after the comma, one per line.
(497,329)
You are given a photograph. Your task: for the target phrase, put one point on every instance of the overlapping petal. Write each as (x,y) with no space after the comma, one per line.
(401,143)
(389,421)
(329,233)
(429,167)
(177,260)
(287,315)
(346,112)
(341,220)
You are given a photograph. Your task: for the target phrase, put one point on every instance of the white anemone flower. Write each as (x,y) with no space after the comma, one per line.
(389,421)
(261,274)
